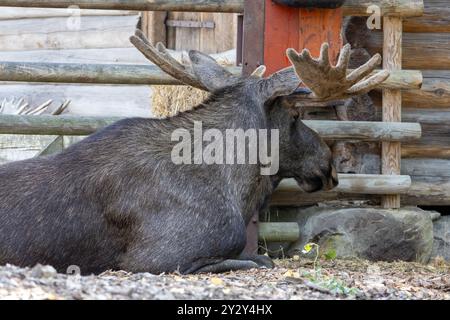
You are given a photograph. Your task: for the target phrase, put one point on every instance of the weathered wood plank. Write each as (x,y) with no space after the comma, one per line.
(420,50)
(351,7)
(360,184)
(88,100)
(29,13)
(404,8)
(53,33)
(278,231)
(138,5)
(81,56)
(436,18)
(392,103)
(367,131)
(87,73)
(434,93)
(426,167)
(428,116)
(70,125)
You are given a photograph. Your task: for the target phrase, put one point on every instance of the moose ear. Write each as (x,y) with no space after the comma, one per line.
(281,83)
(209,72)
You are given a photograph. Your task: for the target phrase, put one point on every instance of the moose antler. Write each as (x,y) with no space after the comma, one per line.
(162,58)
(328,82)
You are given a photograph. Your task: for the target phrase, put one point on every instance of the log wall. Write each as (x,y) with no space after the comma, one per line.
(426,47)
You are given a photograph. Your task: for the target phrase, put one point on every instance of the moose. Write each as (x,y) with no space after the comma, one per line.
(115,200)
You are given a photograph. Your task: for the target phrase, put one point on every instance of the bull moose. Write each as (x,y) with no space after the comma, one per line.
(115,200)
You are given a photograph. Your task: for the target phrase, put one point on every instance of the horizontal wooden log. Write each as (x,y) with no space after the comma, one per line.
(33,13)
(366,131)
(433,191)
(404,8)
(436,18)
(278,231)
(351,7)
(434,93)
(80,125)
(426,167)
(138,5)
(360,184)
(428,191)
(427,116)
(435,141)
(420,50)
(403,79)
(421,151)
(136,74)
(87,73)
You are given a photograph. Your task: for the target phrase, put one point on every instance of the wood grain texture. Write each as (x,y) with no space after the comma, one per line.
(421,51)
(137,5)
(434,92)
(278,231)
(154,27)
(30,13)
(366,131)
(53,33)
(360,184)
(87,73)
(436,18)
(392,103)
(88,100)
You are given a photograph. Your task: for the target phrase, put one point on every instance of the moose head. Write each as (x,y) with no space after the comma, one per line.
(303,155)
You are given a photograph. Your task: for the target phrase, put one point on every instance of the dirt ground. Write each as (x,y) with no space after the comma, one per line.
(291,279)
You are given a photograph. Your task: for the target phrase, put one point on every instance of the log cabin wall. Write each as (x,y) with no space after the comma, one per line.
(49,35)
(426,47)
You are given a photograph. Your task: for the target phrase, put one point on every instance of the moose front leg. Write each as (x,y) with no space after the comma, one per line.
(243,262)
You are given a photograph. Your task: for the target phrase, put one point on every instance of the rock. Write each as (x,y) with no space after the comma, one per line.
(370,233)
(441,245)
(40,271)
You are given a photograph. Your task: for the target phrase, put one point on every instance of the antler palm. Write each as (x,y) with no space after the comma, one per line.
(329,82)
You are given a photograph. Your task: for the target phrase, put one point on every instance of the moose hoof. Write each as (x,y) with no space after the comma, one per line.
(260,260)
(228,265)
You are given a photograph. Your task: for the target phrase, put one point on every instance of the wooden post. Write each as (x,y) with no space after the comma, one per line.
(154,26)
(392,102)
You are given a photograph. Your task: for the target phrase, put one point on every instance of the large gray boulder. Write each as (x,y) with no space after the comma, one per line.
(441,246)
(370,233)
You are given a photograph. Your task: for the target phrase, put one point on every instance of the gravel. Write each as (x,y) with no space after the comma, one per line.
(291,279)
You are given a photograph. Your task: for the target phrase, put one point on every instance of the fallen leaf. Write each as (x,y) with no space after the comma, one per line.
(216,281)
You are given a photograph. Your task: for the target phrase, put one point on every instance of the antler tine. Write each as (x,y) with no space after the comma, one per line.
(259,71)
(365,69)
(369,84)
(160,57)
(344,59)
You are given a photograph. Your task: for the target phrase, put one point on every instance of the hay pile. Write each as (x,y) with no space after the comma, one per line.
(167,101)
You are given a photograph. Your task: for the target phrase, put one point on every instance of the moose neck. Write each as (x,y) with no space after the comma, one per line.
(246,183)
